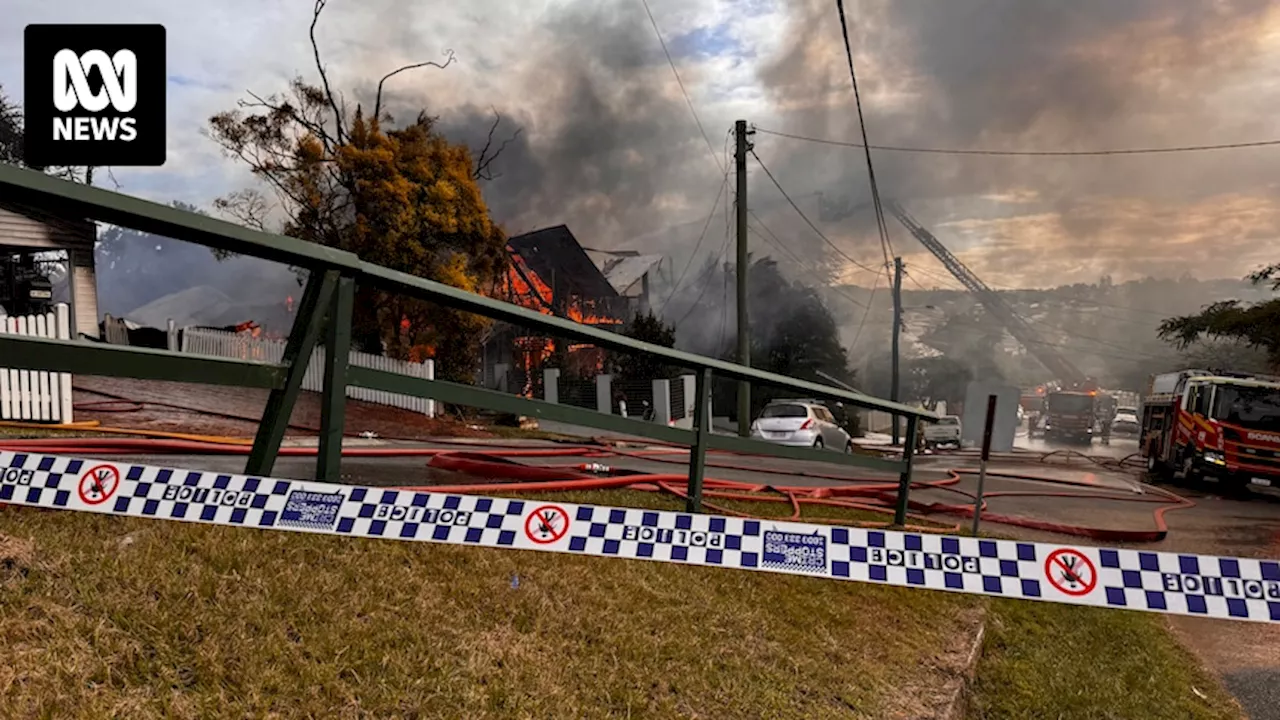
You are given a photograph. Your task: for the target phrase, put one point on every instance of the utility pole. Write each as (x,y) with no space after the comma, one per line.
(744,340)
(897,330)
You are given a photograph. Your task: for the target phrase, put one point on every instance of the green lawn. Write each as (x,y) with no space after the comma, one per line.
(1043,660)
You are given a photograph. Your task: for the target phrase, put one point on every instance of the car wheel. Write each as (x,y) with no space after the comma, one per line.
(817,444)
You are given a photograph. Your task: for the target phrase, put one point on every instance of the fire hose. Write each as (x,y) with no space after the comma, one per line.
(866,494)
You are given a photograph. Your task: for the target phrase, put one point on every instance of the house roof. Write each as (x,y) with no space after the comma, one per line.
(555,255)
(209,306)
(623,272)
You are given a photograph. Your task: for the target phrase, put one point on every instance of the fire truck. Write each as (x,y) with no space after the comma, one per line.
(1070,416)
(1197,423)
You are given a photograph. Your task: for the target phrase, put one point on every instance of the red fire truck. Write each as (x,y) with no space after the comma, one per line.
(1212,424)
(1070,416)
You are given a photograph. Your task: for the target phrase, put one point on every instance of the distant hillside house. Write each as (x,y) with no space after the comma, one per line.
(26,231)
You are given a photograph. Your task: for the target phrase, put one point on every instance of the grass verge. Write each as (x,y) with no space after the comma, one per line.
(1043,660)
(106,616)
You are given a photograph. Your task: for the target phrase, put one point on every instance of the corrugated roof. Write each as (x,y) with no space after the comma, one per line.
(555,255)
(624,272)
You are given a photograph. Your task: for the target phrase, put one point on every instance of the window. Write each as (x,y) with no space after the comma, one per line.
(1256,408)
(949,420)
(1198,402)
(785,411)
(824,415)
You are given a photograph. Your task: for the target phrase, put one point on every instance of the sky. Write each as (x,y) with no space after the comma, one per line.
(609,147)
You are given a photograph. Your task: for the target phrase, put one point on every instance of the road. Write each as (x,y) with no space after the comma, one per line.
(1246,656)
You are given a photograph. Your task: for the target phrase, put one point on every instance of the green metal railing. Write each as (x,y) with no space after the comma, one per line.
(324,317)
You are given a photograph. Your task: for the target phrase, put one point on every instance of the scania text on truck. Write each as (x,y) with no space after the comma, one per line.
(1224,426)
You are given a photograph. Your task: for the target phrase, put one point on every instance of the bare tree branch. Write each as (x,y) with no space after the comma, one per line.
(377,103)
(324,78)
(316,128)
(485,159)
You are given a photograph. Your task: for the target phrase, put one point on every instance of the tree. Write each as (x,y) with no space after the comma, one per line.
(1256,325)
(923,379)
(639,367)
(11,147)
(403,197)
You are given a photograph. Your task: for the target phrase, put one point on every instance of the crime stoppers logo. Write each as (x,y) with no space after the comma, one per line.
(94,95)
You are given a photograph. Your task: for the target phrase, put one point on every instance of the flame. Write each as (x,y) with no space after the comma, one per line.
(532,352)
(532,294)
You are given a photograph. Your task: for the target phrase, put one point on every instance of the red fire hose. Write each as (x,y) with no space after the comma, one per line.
(867,494)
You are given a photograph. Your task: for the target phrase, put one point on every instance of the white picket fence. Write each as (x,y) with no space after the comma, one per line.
(36,395)
(219,343)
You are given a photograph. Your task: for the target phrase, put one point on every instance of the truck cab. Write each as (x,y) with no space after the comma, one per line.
(1070,416)
(1219,426)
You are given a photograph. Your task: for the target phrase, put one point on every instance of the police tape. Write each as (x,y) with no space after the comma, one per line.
(1197,585)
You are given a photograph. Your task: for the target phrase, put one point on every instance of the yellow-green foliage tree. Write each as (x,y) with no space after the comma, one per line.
(404,197)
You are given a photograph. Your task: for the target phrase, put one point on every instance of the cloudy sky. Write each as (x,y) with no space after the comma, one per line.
(608,144)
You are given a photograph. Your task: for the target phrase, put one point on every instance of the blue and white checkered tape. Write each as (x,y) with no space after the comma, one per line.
(1203,585)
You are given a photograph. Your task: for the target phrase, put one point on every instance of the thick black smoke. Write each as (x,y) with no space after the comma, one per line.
(1015,74)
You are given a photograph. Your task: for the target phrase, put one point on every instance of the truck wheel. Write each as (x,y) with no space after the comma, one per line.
(1157,469)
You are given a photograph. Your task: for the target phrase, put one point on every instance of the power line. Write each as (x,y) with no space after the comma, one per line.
(719,256)
(806,219)
(680,82)
(862,124)
(796,259)
(867,311)
(676,287)
(1027,153)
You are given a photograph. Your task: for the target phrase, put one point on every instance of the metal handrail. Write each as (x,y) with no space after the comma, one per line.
(326,310)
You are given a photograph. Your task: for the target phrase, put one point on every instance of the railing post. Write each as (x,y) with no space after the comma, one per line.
(303,336)
(904,479)
(702,428)
(337,353)
(604,394)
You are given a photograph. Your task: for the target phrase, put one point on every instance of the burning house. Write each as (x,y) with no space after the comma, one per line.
(552,274)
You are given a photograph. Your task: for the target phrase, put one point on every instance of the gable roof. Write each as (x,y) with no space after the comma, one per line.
(555,255)
(623,272)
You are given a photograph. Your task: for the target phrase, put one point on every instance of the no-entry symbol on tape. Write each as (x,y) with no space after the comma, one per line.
(99,484)
(1071,572)
(547,524)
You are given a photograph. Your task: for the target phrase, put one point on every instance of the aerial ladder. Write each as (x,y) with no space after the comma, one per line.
(1053,361)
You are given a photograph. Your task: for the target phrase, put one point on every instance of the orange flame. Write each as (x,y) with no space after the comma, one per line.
(527,294)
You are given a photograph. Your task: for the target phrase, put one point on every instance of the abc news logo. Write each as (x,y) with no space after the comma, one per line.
(94,95)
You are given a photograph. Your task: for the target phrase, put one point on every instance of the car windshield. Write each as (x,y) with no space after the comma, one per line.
(785,411)
(1252,407)
(949,421)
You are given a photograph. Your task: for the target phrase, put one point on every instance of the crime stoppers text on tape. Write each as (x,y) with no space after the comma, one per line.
(1204,585)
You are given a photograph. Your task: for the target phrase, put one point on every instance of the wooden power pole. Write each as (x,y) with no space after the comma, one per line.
(897,330)
(744,340)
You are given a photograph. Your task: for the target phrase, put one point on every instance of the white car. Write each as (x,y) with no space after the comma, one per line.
(1125,424)
(945,431)
(800,423)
